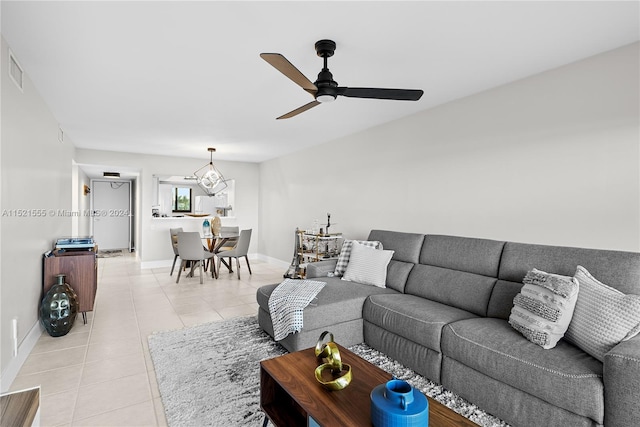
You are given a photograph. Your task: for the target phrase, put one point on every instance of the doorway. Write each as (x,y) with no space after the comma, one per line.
(112,214)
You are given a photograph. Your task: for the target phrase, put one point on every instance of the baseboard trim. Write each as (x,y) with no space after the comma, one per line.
(273,261)
(24,350)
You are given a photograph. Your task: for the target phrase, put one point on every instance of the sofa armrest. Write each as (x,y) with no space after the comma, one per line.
(321,268)
(621,374)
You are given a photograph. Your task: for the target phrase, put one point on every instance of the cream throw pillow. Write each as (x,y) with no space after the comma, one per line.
(345,254)
(367,265)
(603,317)
(543,309)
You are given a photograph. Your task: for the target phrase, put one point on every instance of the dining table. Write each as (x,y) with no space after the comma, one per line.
(217,241)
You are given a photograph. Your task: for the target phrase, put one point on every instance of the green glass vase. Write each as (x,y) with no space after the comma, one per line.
(59,308)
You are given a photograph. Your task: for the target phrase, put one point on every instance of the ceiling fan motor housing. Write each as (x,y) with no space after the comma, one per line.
(327,87)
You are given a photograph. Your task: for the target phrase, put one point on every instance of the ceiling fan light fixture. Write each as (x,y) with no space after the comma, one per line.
(325,98)
(209,178)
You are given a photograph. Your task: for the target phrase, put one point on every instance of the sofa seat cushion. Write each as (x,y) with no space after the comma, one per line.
(564,376)
(337,302)
(413,318)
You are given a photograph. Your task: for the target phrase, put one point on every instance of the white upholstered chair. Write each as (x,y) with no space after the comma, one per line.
(240,250)
(190,249)
(174,245)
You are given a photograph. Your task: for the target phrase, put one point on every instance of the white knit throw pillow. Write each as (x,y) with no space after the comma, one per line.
(345,254)
(367,265)
(603,317)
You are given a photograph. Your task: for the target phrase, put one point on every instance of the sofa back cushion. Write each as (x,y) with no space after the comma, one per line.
(457,271)
(501,301)
(406,247)
(467,291)
(618,269)
(479,256)
(397,274)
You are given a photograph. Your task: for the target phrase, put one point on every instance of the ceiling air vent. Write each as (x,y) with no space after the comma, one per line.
(15,71)
(111,174)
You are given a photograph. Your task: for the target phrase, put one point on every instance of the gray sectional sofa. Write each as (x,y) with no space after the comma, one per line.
(444,314)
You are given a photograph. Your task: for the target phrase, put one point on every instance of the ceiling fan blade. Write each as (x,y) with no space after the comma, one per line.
(377,93)
(298,110)
(283,65)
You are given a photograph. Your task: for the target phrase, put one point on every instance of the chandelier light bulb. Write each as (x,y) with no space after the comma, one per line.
(211,178)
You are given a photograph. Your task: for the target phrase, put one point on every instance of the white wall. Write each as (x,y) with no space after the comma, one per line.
(36,184)
(153,242)
(81,202)
(551,159)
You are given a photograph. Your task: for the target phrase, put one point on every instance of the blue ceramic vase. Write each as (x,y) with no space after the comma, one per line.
(206,227)
(397,404)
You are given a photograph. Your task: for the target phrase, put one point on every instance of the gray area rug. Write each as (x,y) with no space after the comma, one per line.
(209,375)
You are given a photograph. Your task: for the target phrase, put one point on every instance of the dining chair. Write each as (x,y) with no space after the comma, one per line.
(174,244)
(240,250)
(230,243)
(190,249)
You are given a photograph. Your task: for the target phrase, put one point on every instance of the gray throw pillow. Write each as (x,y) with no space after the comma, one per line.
(603,317)
(543,309)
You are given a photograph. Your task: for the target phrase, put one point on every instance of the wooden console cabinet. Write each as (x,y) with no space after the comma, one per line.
(81,269)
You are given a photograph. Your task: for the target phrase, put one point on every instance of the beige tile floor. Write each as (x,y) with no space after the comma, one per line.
(101,373)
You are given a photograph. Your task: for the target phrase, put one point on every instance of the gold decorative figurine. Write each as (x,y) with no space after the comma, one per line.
(329,355)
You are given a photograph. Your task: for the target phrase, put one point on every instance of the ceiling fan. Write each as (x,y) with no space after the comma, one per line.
(325,89)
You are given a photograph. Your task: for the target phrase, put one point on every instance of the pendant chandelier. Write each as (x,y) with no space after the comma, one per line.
(209,178)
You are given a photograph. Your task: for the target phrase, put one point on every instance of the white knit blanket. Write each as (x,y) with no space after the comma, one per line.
(287,302)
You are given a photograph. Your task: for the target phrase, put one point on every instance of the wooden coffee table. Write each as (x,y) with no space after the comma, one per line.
(291,396)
